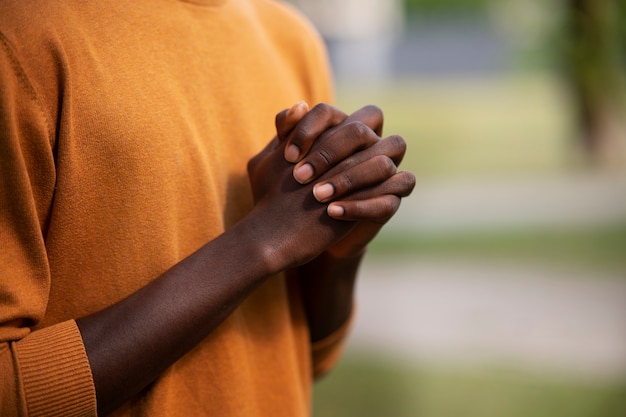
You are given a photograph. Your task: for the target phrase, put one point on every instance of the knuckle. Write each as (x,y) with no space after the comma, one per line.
(402,184)
(374,109)
(385,165)
(331,114)
(396,147)
(325,157)
(324,109)
(347,163)
(409,182)
(398,142)
(408,179)
(390,206)
(358,130)
(346,181)
(301,134)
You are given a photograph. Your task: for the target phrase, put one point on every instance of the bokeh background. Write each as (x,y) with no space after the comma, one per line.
(499,289)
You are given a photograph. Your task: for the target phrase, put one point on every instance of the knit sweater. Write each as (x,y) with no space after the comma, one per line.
(125,130)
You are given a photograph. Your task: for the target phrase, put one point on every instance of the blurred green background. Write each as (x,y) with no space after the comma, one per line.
(499,289)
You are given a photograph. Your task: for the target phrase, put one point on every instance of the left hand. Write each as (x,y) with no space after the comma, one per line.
(361,181)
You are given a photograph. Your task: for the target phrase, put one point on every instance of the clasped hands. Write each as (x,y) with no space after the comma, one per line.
(327,182)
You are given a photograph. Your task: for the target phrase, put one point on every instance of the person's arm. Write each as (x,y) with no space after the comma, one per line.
(327,283)
(328,280)
(27,181)
(130,343)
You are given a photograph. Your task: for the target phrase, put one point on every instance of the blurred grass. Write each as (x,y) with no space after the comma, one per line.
(507,125)
(369,386)
(597,248)
(513,125)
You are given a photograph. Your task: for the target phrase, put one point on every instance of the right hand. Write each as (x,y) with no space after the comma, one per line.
(293,226)
(296,226)
(365,185)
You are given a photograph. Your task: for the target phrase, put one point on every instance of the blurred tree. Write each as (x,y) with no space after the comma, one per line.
(594,57)
(592,52)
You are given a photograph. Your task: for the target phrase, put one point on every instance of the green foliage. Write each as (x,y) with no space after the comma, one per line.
(370,386)
(364,388)
(415,7)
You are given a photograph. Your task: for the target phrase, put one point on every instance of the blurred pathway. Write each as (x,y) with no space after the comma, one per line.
(491,203)
(462,312)
(471,313)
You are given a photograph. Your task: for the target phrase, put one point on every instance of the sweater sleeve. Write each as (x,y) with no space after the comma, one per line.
(44,372)
(326,352)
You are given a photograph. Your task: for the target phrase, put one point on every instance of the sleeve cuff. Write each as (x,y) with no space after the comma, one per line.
(55,372)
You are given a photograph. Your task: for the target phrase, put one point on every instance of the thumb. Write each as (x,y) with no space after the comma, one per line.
(287,119)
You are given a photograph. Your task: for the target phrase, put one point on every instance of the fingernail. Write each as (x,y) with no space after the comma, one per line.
(292,153)
(303,173)
(323,192)
(300,106)
(335,210)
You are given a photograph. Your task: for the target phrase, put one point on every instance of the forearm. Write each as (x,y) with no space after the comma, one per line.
(327,286)
(132,342)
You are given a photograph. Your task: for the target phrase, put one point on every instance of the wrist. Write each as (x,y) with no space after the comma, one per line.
(262,252)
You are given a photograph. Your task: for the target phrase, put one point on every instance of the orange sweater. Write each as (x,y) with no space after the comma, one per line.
(125,129)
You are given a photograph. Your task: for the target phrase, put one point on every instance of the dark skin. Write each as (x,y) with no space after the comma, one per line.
(329,279)
(133,341)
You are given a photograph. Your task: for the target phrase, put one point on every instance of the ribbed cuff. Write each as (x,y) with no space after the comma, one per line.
(55,371)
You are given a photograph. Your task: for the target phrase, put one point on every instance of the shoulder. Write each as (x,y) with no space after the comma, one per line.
(28,20)
(285,20)
(31,30)
(287,26)
(300,42)
(31,51)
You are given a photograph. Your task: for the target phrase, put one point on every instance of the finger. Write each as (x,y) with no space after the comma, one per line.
(332,149)
(371,116)
(393,147)
(287,119)
(400,184)
(371,172)
(378,209)
(319,119)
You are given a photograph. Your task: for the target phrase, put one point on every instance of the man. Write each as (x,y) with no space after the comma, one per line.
(150,263)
